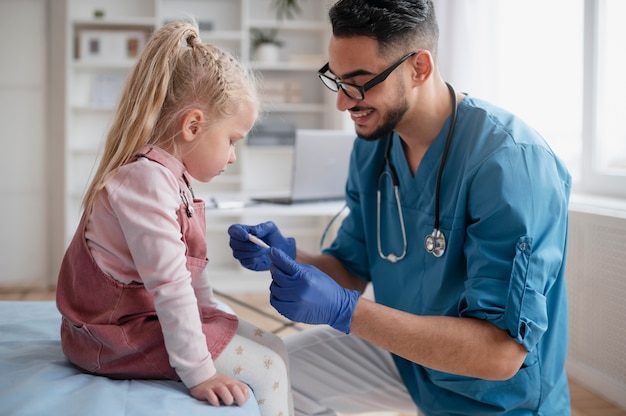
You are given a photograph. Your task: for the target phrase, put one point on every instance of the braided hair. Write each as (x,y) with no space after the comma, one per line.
(175,73)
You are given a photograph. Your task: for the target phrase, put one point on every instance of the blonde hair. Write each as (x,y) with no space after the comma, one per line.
(175,73)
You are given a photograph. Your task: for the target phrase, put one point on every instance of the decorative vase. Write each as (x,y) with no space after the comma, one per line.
(267,52)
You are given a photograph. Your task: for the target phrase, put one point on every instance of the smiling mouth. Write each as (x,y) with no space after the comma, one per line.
(358,114)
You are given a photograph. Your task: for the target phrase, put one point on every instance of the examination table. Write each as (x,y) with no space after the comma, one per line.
(36,379)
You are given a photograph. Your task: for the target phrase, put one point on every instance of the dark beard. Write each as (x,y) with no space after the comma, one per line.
(389,123)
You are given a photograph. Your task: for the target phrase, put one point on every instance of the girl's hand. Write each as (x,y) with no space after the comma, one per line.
(221,389)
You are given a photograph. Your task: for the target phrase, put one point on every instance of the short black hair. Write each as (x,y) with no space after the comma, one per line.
(397,25)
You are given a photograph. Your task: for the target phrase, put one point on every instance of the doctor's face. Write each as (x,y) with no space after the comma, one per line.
(356,61)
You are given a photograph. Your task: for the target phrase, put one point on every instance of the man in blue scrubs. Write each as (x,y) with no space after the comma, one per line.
(477,328)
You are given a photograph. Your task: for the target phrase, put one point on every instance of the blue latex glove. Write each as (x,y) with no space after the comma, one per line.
(252,256)
(303,293)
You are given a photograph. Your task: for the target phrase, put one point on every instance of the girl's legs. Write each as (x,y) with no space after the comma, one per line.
(259,359)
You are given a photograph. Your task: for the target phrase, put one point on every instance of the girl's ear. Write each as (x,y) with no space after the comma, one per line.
(192,121)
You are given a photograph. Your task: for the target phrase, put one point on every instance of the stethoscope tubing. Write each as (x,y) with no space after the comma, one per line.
(396,190)
(435,242)
(444,155)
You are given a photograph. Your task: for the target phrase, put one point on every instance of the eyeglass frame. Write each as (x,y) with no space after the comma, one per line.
(362,89)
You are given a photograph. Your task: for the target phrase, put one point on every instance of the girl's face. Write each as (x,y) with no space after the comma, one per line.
(213,146)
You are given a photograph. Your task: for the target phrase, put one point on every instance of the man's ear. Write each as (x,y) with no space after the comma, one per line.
(422,64)
(192,122)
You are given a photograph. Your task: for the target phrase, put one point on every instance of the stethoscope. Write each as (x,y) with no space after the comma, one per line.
(435,242)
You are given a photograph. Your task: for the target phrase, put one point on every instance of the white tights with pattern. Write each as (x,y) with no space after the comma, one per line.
(259,359)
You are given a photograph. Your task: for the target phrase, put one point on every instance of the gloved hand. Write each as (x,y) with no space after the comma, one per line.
(303,293)
(252,256)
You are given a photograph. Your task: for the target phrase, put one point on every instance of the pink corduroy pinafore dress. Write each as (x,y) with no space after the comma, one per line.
(112,329)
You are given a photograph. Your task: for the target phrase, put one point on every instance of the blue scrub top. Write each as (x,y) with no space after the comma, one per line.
(503,209)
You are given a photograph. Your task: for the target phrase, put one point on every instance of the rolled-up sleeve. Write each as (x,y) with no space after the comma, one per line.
(516,241)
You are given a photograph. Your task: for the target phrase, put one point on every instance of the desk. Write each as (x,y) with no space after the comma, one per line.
(305,222)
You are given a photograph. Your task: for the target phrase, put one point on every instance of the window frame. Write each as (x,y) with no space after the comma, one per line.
(592,179)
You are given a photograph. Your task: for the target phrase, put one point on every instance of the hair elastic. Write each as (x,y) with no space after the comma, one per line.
(193,40)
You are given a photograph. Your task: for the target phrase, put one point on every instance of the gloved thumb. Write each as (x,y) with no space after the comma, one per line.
(283,262)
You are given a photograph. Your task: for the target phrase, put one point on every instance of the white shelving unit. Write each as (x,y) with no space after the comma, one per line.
(92,87)
(303,51)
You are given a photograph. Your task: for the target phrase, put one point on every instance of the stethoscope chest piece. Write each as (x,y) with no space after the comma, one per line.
(435,243)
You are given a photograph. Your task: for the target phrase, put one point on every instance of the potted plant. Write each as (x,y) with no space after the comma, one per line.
(286,9)
(266,44)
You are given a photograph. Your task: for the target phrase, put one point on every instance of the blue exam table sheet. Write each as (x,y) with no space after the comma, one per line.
(36,379)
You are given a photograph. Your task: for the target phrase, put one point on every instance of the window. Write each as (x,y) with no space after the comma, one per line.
(557,64)
(604,160)
(541,73)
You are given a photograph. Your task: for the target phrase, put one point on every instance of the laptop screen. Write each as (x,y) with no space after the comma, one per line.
(320,164)
(319,168)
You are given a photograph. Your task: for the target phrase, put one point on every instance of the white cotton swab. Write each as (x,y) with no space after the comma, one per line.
(256,240)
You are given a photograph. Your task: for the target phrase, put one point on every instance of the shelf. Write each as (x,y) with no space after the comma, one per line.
(290,25)
(116,22)
(84,150)
(285,66)
(294,108)
(232,35)
(93,108)
(106,65)
(310,210)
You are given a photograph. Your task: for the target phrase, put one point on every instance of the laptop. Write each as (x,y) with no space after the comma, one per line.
(320,167)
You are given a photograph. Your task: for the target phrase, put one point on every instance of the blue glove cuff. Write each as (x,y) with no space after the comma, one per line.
(344,317)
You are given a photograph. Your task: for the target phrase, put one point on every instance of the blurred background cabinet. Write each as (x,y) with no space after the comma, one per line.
(102,40)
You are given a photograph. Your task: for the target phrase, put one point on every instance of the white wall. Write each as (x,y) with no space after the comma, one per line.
(596,289)
(23,72)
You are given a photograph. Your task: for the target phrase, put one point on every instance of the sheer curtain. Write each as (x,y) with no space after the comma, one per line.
(467,55)
(523,55)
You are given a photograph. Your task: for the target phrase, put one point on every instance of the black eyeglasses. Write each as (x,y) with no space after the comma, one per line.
(357,92)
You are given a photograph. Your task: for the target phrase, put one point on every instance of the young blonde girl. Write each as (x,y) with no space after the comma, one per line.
(132,289)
